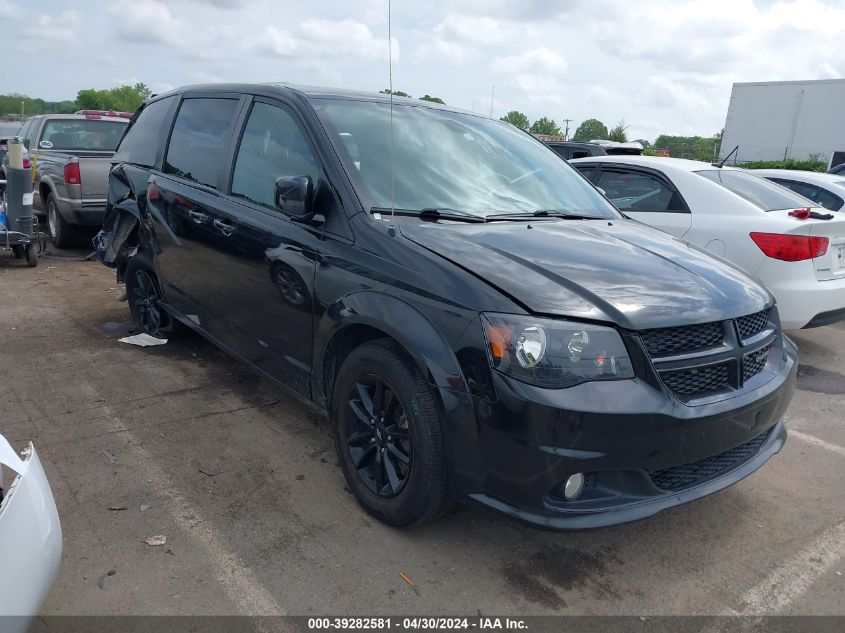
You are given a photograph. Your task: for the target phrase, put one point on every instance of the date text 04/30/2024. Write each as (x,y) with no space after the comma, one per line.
(480,623)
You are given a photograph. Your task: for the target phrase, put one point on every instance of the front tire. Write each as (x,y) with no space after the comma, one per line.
(62,234)
(389,436)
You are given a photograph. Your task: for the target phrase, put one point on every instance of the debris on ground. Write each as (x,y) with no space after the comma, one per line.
(101,581)
(300,477)
(110,457)
(159,539)
(142,340)
(406,579)
(144,507)
(117,508)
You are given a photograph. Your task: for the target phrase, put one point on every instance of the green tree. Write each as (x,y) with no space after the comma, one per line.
(589,130)
(433,99)
(396,93)
(517,118)
(693,147)
(122,98)
(545,125)
(618,132)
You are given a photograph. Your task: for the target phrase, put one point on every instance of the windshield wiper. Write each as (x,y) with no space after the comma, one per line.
(431,213)
(543,213)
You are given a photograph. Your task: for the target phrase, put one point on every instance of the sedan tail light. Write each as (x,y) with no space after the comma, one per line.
(72,176)
(790,248)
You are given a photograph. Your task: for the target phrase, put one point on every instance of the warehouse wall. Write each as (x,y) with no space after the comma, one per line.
(792,119)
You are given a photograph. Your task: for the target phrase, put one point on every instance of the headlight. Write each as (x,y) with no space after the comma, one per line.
(556,354)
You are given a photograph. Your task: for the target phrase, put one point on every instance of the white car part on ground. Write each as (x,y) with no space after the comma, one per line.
(30,538)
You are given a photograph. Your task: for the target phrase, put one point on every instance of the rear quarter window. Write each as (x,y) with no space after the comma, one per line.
(142,140)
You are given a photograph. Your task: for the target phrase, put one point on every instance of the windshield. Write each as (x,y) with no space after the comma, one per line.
(758,191)
(80,135)
(452,161)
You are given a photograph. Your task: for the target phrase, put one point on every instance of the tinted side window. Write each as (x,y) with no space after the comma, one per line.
(198,141)
(272,146)
(560,150)
(588,171)
(141,141)
(637,191)
(821,197)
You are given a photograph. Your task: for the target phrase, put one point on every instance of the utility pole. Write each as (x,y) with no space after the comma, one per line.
(566,133)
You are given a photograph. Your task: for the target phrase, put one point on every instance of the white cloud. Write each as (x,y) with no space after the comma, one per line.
(534,61)
(52,32)
(146,22)
(346,37)
(8,10)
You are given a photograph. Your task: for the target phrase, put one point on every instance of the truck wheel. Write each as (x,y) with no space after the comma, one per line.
(32,255)
(62,234)
(389,436)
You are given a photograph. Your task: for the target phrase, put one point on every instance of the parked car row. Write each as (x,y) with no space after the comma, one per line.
(741,217)
(478,321)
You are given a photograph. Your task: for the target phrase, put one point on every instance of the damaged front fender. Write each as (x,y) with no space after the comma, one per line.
(30,538)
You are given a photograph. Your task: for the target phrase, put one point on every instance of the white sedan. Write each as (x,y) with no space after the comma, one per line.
(741,217)
(30,538)
(826,190)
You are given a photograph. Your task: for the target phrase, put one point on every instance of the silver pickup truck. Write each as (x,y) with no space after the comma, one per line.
(71,158)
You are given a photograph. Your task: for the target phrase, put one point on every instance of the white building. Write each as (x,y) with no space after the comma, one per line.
(775,120)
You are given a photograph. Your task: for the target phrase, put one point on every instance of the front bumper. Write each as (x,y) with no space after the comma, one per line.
(30,539)
(641,451)
(804,303)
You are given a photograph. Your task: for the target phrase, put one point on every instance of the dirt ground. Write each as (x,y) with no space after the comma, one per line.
(244,483)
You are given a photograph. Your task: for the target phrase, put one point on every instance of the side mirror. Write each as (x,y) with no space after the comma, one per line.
(295,196)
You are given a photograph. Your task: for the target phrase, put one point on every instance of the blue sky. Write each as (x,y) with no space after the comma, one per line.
(661,65)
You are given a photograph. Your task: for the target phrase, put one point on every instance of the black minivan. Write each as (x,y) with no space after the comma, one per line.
(476,319)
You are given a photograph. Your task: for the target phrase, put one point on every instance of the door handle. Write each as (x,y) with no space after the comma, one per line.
(199,217)
(224,227)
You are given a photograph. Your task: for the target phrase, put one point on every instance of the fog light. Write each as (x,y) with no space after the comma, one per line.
(573,487)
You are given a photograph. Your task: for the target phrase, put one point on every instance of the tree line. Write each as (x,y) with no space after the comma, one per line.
(121,99)
(694,147)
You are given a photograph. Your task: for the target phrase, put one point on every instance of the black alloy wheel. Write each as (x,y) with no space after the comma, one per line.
(389,435)
(145,299)
(380,441)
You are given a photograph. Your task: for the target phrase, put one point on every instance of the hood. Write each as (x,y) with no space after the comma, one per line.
(618,271)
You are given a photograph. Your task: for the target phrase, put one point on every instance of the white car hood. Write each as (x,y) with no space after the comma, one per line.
(30,538)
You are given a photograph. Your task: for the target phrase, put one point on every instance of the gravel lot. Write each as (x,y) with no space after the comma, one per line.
(244,484)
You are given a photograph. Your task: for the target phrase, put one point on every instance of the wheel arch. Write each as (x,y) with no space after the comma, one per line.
(369,315)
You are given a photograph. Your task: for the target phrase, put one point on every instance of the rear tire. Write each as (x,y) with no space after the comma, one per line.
(144,297)
(62,234)
(385,413)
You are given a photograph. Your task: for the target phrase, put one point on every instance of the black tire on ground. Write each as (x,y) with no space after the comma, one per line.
(32,254)
(144,297)
(62,234)
(410,493)
(18,251)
